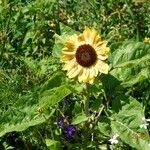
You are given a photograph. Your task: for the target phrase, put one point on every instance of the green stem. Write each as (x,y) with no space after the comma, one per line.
(99,113)
(86,110)
(87,99)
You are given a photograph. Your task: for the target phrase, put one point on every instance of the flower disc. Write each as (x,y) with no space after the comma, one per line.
(86,55)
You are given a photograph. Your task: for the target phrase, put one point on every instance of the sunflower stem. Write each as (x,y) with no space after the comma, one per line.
(87,98)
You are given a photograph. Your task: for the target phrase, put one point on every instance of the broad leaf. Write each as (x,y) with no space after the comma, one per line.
(55,81)
(52,144)
(51,97)
(33,108)
(129,51)
(130,63)
(79,119)
(126,121)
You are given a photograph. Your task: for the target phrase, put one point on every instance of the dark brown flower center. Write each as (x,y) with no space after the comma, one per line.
(86,55)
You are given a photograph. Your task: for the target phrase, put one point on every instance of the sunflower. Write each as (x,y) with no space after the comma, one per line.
(84,56)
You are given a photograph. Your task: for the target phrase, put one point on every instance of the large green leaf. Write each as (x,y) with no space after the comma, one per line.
(130,63)
(55,81)
(130,76)
(21,120)
(129,51)
(126,120)
(33,108)
(51,97)
(24,112)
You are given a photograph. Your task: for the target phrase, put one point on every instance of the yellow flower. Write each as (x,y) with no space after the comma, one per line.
(84,56)
(147,40)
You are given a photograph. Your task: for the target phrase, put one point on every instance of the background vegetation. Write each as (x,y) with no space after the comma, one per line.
(33,88)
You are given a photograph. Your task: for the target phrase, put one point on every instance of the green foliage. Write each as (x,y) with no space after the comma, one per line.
(104,126)
(79,119)
(131,63)
(35,93)
(32,109)
(51,97)
(130,54)
(52,144)
(126,120)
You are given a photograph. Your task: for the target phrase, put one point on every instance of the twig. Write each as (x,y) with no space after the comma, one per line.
(87,98)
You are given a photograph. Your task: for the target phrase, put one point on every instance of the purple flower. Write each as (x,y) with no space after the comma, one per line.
(60,122)
(69,131)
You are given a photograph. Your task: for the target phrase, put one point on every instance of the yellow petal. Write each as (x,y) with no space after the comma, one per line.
(70,45)
(66,49)
(71,71)
(100,44)
(71,42)
(102,57)
(147,40)
(92,36)
(97,39)
(102,67)
(70,64)
(74,72)
(86,78)
(83,76)
(102,51)
(80,76)
(68,53)
(81,38)
(95,70)
(92,72)
(86,34)
(87,74)
(91,81)
(66,58)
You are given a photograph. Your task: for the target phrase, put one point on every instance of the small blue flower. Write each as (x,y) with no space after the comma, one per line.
(69,131)
(60,122)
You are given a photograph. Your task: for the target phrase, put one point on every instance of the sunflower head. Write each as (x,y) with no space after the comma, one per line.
(84,56)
